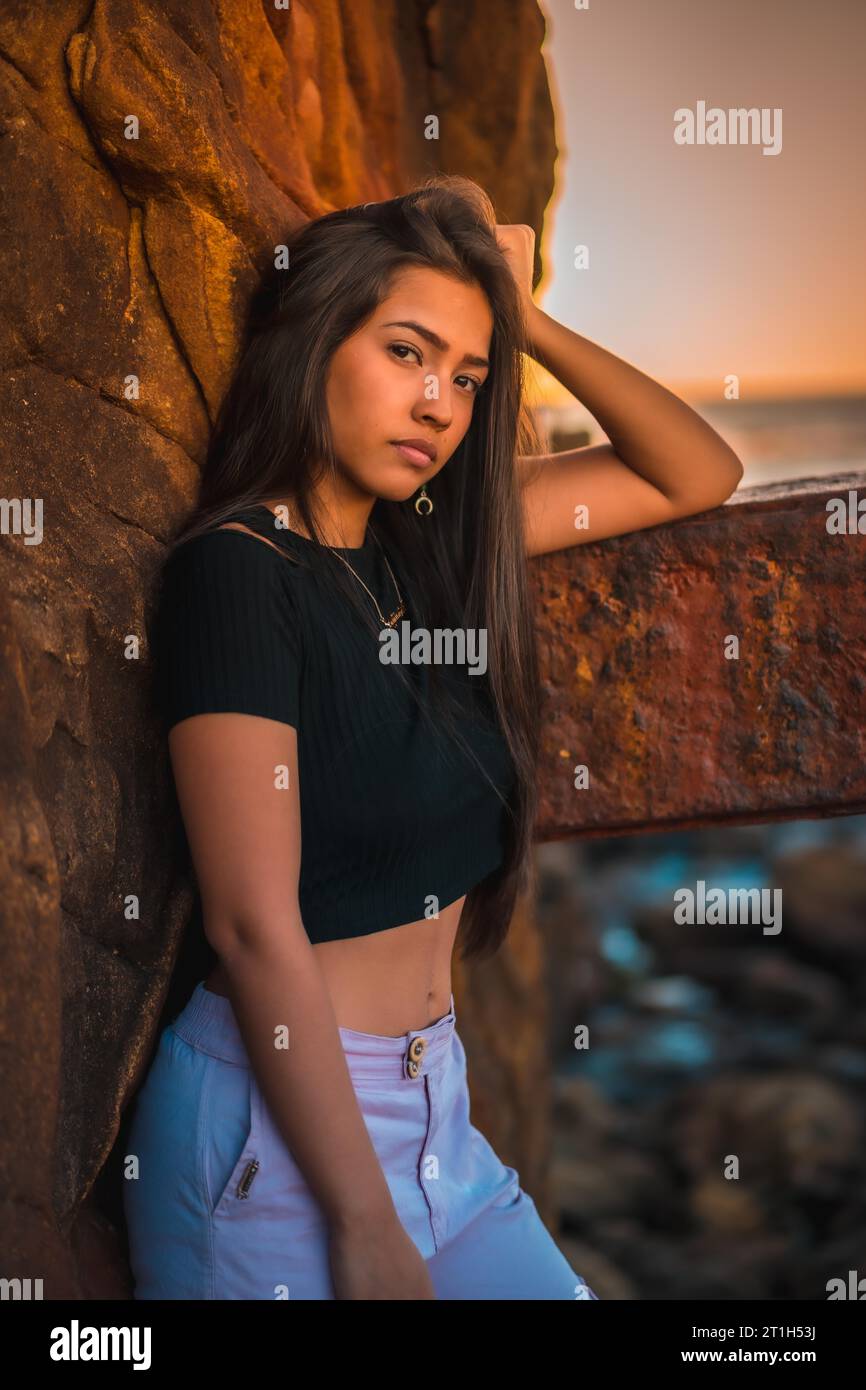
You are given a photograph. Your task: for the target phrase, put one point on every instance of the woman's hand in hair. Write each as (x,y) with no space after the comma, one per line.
(518,246)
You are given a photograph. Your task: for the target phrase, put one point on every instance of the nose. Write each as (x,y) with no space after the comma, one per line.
(438,410)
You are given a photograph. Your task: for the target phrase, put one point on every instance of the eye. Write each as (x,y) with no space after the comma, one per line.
(405,347)
(409,347)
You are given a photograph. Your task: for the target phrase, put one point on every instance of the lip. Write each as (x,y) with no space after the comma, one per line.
(418,452)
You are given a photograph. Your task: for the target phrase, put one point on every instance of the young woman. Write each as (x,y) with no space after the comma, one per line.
(304,1130)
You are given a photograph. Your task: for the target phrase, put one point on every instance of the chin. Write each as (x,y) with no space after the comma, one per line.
(394,489)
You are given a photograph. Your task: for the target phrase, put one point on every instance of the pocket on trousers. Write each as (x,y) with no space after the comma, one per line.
(230,1136)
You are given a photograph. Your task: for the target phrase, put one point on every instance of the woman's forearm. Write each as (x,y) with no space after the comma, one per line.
(277,990)
(651,429)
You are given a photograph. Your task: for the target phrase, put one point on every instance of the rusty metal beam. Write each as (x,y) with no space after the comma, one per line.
(709,670)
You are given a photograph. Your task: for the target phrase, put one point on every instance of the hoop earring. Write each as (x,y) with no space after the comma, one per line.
(421,499)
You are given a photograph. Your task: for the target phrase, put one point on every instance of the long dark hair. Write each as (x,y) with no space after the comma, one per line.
(464,563)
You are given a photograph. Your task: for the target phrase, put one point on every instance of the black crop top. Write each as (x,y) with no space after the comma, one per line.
(391,815)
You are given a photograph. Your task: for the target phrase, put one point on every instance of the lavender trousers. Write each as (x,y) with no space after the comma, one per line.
(220,1209)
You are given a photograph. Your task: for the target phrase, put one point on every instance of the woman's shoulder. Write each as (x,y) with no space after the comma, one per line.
(228,634)
(235,548)
(228,568)
(220,538)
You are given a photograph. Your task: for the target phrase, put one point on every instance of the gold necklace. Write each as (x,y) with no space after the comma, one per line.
(399,611)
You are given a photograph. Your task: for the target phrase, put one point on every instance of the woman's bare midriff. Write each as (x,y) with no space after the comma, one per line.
(389,982)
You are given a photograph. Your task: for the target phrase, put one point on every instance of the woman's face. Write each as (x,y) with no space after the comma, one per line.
(389,381)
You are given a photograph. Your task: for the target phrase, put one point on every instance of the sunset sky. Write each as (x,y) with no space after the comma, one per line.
(707,260)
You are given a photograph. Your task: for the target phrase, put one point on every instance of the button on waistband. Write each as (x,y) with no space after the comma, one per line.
(414,1057)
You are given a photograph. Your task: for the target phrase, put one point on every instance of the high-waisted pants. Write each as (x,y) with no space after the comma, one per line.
(219,1208)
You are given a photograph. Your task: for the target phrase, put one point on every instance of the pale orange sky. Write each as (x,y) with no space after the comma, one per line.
(707,260)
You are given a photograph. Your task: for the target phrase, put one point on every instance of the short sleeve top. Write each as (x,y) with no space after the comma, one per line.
(230,638)
(395,821)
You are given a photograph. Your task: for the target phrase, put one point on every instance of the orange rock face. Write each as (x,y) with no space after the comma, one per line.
(155,155)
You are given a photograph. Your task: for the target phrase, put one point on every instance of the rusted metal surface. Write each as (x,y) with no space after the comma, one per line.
(636,641)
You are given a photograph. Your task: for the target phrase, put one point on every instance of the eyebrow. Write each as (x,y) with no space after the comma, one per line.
(437,342)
